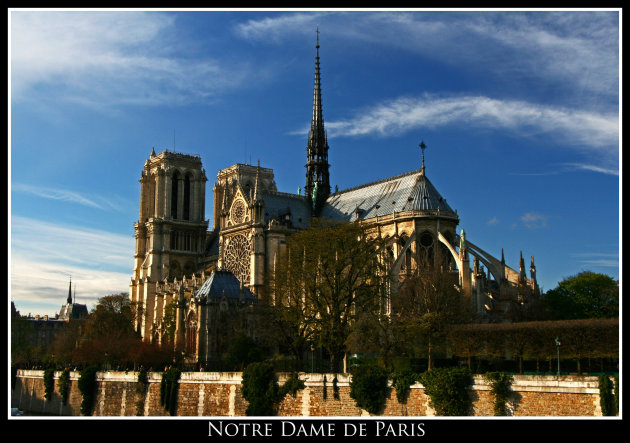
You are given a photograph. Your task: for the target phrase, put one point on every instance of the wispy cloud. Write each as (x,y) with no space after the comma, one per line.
(596,259)
(93,201)
(493,221)
(579,50)
(105,58)
(44,255)
(71,245)
(534,220)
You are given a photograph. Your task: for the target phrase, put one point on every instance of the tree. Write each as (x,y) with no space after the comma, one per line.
(585,295)
(326,278)
(426,307)
(109,333)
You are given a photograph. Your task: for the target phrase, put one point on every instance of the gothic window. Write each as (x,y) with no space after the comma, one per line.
(237,257)
(187,197)
(175,270)
(238,212)
(426,247)
(174,240)
(174,189)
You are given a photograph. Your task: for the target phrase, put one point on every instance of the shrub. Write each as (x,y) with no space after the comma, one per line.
(335,388)
(606,396)
(402,382)
(500,384)
(49,383)
(64,385)
(87,387)
(169,387)
(369,387)
(141,390)
(291,386)
(260,389)
(447,389)
(617,393)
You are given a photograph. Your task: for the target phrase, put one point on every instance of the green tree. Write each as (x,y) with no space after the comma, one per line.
(426,308)
(326,278)
(585,295)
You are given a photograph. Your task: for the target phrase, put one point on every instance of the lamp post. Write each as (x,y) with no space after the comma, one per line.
(312,358)
(183,354)
(557,340)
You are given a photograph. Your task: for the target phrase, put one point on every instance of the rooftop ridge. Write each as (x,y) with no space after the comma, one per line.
(354,188)
(284,194)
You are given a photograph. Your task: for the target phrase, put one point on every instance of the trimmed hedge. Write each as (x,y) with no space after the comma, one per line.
(447,389)
(369,387)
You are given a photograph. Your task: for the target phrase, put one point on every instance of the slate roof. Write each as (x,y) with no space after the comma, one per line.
(224,282)
(405,192)
(278,204)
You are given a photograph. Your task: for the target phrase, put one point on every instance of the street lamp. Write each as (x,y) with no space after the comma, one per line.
(183,354)
(312,358)
(557,340)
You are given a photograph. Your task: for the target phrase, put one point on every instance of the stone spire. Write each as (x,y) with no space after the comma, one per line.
(317,175)
(69,300)
(423,147)
(257,191)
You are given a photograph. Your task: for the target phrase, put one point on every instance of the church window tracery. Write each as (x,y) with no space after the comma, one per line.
(237,257)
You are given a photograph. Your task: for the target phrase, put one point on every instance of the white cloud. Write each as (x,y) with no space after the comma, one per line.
(493,221)
(103,58)
(533,220)
(585,131)
(44,256)
(97,202)
(71,245)
(576,49)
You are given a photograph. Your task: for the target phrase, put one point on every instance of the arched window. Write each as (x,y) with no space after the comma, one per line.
(426,247)
(174,190)
(187,184)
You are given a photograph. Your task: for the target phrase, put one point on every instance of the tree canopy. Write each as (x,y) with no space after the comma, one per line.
(585,295)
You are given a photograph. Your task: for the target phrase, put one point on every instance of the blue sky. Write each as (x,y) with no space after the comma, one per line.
(519,110)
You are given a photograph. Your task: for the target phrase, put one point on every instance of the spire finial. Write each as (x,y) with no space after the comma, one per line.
(423,147)
(69,300)
(317,31)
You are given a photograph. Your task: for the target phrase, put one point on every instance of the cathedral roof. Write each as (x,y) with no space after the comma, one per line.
(222,283)
(406,192)
(280,204)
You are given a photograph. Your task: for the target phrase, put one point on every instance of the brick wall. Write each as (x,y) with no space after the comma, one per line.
(219,394)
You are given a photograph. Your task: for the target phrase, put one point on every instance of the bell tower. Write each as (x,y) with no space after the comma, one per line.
(171,229)
(317,187)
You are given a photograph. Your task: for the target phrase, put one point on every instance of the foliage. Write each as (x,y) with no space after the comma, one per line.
(87,387)
(335,388)
(260,389)
(64,385)
(427,307)
(402,381)
(585,295)
(325,389)
(500,383)
(49,382)
(584,338)
(617,393)
(169,320)
(606,399)
(243,351)
(448,390)
(369,387)
(291,386)
(141,390)
(169,387)
(327,276)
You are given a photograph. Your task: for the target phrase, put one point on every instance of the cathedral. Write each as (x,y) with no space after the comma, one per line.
(188,279)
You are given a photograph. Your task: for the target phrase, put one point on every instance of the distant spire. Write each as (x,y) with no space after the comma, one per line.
(69,300)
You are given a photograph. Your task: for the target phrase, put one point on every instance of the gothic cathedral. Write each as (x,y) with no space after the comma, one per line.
(189,281)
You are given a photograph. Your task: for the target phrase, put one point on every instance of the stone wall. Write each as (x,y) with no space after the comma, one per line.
(219,394)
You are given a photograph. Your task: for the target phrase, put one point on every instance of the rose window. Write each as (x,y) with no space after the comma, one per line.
(238,212)
(237,257)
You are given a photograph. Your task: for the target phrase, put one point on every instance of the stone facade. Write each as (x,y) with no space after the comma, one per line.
(215,394)
(176,253)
